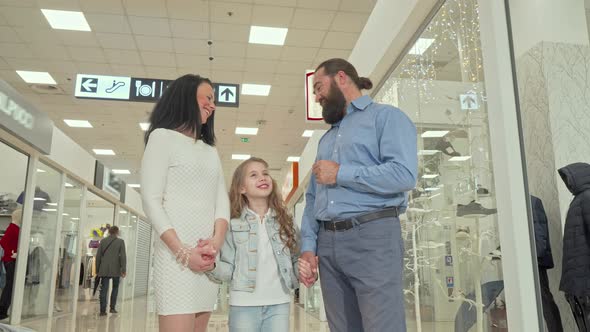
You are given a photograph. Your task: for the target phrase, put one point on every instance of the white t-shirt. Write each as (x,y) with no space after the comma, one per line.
(269,289)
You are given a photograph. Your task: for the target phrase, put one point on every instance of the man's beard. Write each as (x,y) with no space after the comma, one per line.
(333,109)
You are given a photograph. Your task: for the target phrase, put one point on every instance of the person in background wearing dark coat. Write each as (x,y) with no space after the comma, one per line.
(111,263)
(545,262)
(575,274)
(9,243)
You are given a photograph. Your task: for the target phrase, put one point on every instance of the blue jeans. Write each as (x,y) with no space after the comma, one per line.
(104,289)
(271,318)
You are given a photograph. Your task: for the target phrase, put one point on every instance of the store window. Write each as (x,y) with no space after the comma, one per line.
(42,243)
(69,240)
(99,218)
(453,260)
(12,183)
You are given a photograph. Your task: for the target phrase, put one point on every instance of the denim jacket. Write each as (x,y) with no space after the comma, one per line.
(238,258)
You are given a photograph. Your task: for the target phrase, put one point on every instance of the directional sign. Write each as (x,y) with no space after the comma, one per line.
(147,89)
(102,87)
(469,102)
(449,260)
(227,94)
(450,282)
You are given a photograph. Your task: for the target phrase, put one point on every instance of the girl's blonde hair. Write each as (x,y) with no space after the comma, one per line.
(17,216)
(240,201)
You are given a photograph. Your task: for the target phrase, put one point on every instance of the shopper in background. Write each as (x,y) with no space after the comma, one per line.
(365,165)
(184,196)
(260,252)
(111,263)
(9,243)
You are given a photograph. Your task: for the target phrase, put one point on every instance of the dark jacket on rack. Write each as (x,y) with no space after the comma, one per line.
(575,275)
(544,255)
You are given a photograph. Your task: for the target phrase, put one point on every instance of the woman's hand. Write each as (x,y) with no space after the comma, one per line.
(202,258)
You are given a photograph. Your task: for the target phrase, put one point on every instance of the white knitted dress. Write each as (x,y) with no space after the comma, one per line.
(182,187)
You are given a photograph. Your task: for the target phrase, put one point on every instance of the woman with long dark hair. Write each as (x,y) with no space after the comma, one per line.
(185,199)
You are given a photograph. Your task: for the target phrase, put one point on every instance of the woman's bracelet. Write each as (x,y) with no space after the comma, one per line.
(183,256)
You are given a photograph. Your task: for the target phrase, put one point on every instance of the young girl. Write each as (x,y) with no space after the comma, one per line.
(259,254)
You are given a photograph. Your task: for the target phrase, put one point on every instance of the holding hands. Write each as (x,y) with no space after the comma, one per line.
(325,171)
(308,268)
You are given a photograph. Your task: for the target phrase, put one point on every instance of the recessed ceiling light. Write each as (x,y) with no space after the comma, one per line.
(66,20)
(65,214)
(144,126)
(421,46)
(307,133)
(69,185)
(75,218)
(240,156)
(50,210)
(134,185)
(39,199)
(52,204)
(78,123)
(121,171)
(104,152)
(427,152)
(255,89)
(267,35)
(461,158)
(41,170)
(246,131)
(434,133)
(293,159)
(123,212)
(431,189)
(429,176)
(36,77)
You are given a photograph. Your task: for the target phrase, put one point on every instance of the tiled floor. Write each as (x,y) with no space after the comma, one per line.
(134,317)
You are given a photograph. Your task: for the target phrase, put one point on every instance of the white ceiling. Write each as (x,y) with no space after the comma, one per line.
(166,39)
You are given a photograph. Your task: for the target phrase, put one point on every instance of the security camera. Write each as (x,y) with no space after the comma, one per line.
(209,42)
(211,58)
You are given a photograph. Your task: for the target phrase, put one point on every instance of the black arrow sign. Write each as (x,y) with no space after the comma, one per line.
(469,101)
(227,92)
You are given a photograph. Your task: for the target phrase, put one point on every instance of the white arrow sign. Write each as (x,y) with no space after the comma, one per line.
(89,83)
(102,87)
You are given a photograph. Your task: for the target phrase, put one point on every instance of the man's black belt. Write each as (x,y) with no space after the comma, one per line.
(346,224)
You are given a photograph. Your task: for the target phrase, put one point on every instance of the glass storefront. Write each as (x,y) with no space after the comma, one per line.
(453,261)
(68,254)
(12,184)
(42,243)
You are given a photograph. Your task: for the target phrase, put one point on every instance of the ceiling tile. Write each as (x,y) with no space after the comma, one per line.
(188,9)
(24,17)
(94,68)
(128,70)
(10,76)
(191,61)
(264,51)
(102,6)
(325,54)
(162,72)
(279,17)
(340,40)
(349,22)
(314,4)
(157,44)
(149,8)
(305,38)
(116,41)
(291,53)
(117,56)
(158,59)
(4,65)
(293,68)
(78,38)
(223,76)
(50,52)
(195,70)
(18,63)
(8,35)
(241,13)
(87,54)
(293,81)
(228,49)
(230,32)
(108,23)
(312,19)
(261,66)
(60,66)
(228,64)
(71,5)
(285,3)
(150,26)
(189,29)
(191,46)
(38,35)
(16,50)
(258,77)
(363,6)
